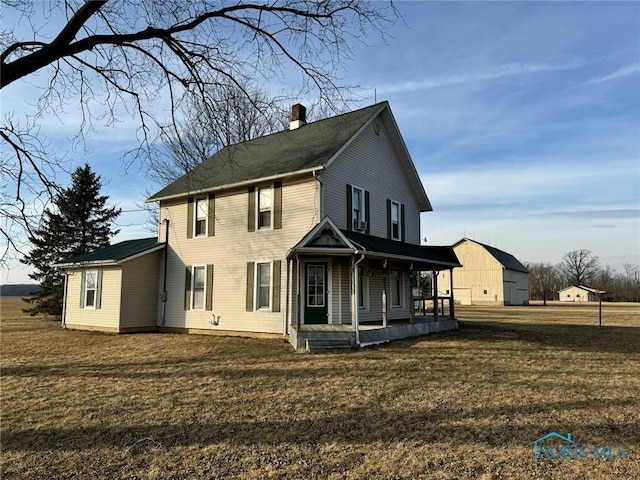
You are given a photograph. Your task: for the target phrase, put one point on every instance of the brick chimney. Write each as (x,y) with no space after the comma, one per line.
(298,116)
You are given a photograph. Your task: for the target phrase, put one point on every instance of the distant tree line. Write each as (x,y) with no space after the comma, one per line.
(582,267)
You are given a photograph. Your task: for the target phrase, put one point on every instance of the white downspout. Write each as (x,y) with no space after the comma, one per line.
(286,301)
(64,301)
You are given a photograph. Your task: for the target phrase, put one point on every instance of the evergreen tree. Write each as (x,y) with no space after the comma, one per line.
(80,222)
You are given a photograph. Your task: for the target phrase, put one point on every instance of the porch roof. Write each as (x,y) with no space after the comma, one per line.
(427,257)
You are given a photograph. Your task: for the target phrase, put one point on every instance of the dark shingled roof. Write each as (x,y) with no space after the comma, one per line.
(438,257)
(507,260)
(278,154)
(118,252)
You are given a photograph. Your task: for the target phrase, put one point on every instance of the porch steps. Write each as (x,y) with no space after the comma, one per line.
(328,345)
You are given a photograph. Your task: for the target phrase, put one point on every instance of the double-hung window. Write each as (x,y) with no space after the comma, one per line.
(395,221)
(90,288)
(263,286)
(265,206)
(357,214)
(198,288)
(202,212)
(396,288)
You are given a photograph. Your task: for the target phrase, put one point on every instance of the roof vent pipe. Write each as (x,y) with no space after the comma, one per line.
(298,116)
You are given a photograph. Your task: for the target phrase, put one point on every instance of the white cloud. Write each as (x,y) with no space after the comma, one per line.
(494,73)
(620,73)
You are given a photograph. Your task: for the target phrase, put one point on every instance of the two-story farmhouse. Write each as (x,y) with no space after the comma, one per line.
(309,232)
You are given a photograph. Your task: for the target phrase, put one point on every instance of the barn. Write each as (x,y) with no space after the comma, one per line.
(488,276)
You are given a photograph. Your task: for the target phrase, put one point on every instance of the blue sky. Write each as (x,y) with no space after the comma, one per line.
(523,120)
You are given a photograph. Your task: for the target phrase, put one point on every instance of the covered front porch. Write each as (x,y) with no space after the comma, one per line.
(357,290)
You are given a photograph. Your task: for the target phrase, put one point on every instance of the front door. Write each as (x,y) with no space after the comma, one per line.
(316,294)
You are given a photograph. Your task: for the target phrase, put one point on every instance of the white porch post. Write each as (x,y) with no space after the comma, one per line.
(298,299)
(355,313)
(435,295)
(384,294)
(451,298)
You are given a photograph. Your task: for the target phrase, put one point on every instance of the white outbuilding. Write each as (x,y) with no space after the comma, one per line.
(488,276)
(579,294)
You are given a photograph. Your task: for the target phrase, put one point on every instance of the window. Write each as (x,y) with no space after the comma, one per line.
(263,286)
(265,204)
(198,287)
(486,292)
(90,289)
(200,227)
(358,215)
(395,221)
(315,285)
(363,288)
(396,288)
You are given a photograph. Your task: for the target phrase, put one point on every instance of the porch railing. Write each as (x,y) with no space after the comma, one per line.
(424,307)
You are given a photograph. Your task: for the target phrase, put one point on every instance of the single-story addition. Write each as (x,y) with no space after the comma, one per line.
(579,294)
(114,289)
(311,233)
(489,276)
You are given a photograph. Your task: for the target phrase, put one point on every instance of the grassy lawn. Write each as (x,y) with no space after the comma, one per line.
(462,404)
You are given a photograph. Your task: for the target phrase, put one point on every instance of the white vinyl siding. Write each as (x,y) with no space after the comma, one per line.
(370,162)
(107,317)
(230,250)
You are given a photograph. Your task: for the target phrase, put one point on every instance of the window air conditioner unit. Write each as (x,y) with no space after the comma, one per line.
(360,225)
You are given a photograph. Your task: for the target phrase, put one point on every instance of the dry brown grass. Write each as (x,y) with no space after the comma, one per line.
(464,404)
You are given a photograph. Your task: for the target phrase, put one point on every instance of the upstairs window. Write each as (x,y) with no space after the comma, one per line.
(357,209)
(265,205)
(395,221)
(202,212)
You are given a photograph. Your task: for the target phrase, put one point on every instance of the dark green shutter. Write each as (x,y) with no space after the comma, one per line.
(83,280)
(277,205)
(402,229)
(98,301)
(187,288)
(367,215)
(251,220)
(389,226)
(275,288)
(349,207)
(209,292)
(250,267)
(211,221)
(190,217)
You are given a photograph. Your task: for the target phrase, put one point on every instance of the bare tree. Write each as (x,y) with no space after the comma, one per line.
(543,281)
(579,267)
(126,54)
